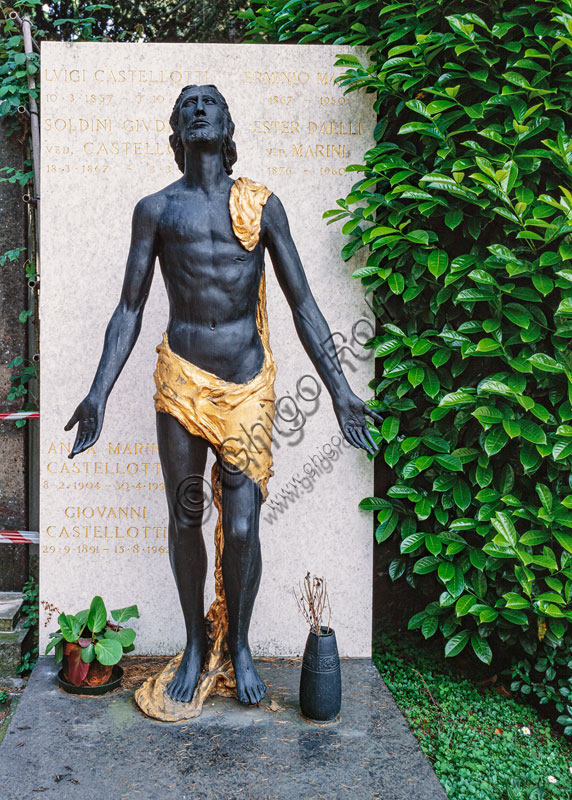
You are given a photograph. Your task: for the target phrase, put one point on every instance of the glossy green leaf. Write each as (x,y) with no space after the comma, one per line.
(125,636)
(433,544)
(88,654)
(438,262)
(390,428)
(545,363)
(425,565)
(462,494)
(457,644)
(412,542)
(464,604)
(108,651)
(70,627)
(495,440)
(97,616)
(563,539)
(532,432)
(446,571)
(505,526)
(481,648)
(429,626)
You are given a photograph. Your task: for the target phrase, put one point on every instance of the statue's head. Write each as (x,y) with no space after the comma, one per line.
(201,114)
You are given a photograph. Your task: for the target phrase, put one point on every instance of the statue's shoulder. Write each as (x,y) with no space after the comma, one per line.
(246,202)
(152,205)
(247,190)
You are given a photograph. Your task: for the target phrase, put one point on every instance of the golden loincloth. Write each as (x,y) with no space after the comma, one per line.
(236,418)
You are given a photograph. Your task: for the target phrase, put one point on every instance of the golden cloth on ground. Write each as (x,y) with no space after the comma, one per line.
(236,418)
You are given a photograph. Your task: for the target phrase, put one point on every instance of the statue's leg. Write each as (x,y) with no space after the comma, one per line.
(183,458)
(241,569)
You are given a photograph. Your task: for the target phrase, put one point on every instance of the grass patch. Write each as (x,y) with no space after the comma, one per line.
(482,745)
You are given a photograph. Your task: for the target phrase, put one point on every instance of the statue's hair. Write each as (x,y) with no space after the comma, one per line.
(229,155)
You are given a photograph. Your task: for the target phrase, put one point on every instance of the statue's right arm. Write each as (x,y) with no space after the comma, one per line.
(124,325)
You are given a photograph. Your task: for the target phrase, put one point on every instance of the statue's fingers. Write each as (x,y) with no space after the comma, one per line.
(373,414)
(90,439)
(351,437)
(369,437)
(363,443)
(78,445)
(72,422)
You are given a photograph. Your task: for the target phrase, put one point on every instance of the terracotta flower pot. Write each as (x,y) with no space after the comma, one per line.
(78,673)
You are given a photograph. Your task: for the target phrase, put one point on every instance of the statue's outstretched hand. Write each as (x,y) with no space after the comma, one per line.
(350,413)
(89,415)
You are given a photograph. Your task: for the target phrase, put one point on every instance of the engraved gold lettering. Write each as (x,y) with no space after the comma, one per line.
(104,468)
(326,78)
(277,78)
(320,151)
(333,128)
(64,75)
(279,127)
(106,532)
(124,148)
(62,448)
(80,125)
(133,449)
(148,76)
(143,125)
(104,512)
(57,150)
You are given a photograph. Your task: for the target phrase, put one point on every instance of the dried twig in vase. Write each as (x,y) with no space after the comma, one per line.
(313,602)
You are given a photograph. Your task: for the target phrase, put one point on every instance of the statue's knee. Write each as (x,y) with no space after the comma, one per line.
(184,517)
(239,531)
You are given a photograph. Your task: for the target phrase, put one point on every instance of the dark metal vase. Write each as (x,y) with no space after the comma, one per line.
(320,679)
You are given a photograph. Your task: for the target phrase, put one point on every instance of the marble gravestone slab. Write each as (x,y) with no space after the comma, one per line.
(105,112)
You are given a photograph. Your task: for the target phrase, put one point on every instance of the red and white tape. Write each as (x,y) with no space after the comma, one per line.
(19,537)
(20,415)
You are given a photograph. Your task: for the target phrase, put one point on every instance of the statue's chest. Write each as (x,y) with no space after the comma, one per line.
(199,244)
(197,224)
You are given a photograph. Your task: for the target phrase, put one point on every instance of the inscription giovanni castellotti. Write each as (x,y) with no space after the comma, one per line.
(97,119)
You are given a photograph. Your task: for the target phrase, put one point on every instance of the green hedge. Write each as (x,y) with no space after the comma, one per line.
(464,207)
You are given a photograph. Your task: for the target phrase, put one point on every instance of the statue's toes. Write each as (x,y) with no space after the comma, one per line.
(242,696)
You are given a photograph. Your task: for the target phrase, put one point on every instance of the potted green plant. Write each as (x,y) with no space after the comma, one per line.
(89,647)
(320,678)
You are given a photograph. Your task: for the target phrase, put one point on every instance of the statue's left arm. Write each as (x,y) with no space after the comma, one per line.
(311,326)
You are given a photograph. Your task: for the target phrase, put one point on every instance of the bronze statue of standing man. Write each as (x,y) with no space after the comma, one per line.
(214,378)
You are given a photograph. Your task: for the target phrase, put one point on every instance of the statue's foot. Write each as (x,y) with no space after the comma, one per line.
(250,687)
(185,680)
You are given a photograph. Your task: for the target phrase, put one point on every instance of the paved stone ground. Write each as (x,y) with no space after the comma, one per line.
(103,748)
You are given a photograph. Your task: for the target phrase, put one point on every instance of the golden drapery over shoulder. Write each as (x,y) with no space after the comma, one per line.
(236,418)
(245,204)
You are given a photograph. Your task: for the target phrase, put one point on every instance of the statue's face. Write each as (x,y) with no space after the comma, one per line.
(201,117)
